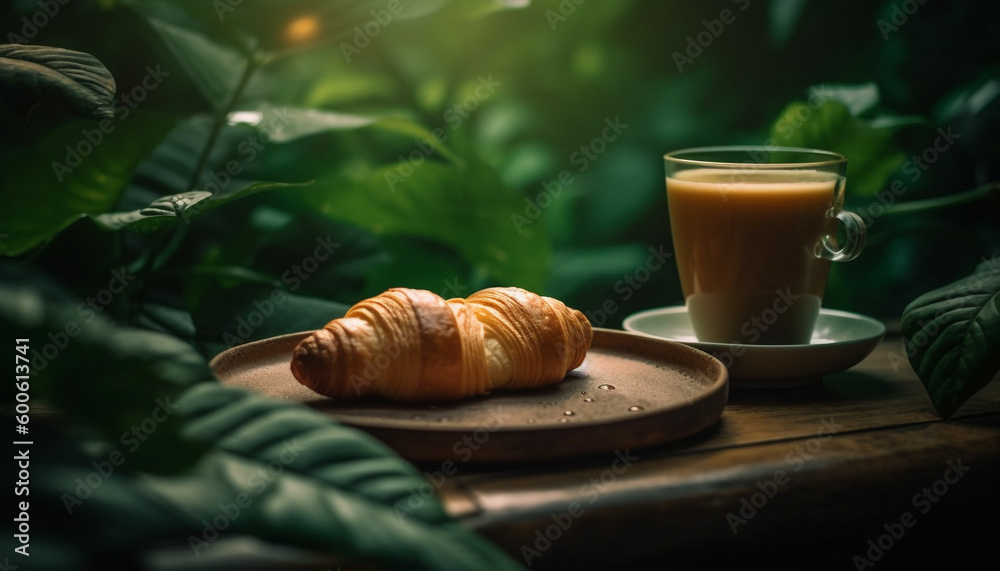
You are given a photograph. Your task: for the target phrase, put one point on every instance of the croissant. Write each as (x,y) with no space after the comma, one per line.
(412,345)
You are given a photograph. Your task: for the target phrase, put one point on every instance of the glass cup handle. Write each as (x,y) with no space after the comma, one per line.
(855,231)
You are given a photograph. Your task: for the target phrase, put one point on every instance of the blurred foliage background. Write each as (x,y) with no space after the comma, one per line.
(270,163)
(486,205)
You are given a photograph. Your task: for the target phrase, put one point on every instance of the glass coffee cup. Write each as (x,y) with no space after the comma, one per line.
(754,232)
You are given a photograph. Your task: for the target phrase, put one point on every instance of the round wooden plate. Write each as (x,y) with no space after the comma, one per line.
(631,391)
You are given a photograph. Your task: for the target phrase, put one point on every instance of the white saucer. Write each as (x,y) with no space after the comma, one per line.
(840,341)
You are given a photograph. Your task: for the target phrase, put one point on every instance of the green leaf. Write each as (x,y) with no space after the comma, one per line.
(229,316)
(872,152)
(572,269)
(298,254)
(80,168)
(280,472)
(291,123)
(341,490)
(418,133)
(783,17)
(970,99)
(859,98)
(119,379)
(165,319)
(281,27)
(214,68)
(252,426)
(468,209)
(186,206)
(480,8)
(287,124)
(169,168)
(76,82)
(953,337)
(419,264)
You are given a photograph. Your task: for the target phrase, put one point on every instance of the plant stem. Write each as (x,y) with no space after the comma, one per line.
(165,245)
(957,199)
(220,120)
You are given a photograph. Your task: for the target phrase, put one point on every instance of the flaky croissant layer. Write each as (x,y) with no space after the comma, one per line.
(412,345)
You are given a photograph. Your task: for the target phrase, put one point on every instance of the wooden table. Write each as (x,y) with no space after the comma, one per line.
(798,478)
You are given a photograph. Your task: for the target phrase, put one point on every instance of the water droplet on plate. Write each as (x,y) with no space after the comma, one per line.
(564,420)
(607,387)
(531,421)
(444,419)
(588,399)
(568,413)
(635,408)
(583,392)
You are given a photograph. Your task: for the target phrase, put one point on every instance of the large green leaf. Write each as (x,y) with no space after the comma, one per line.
(573,269)
(953,337)
(255,427)
(78,169)
(287,124)
(119,379)
(420,264)
(872,152)
(213,67)
(467,208)
(340,489)
(339,274)
(228,316)
(73,81)
(783,18)
(860,98)
(183,207)
(281,473)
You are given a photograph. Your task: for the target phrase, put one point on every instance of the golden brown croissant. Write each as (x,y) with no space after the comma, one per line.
(411,345)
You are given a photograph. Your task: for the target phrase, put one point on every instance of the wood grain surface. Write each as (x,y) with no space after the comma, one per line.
(823,469)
